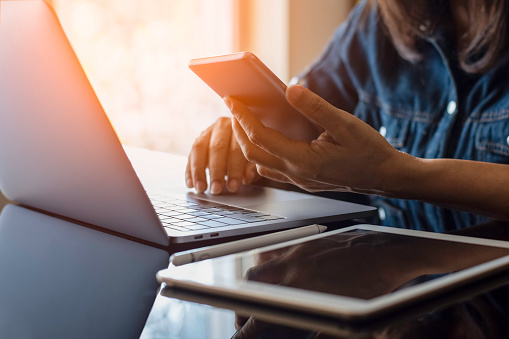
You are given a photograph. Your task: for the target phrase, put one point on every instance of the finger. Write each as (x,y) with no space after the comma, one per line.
(219,147)
(304,183)
(197,162)
(265,138)
(263,257)
(240,319)
(251,329)
(250,174)
(269,272)
(237,164)
(252,152)
(189,175)
(319,110)
(254,328)
(273,175)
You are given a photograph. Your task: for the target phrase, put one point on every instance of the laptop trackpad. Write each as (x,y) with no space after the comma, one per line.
(292,205)
(250,196)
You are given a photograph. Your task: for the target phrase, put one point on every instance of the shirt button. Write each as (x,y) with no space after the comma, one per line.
(451,107)
(507,141)
(381,214)
(383,131)
(424,27)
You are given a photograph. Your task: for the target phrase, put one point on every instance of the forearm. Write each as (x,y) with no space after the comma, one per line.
(473,186)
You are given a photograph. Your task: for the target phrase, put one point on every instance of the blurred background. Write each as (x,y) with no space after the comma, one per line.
(135,54)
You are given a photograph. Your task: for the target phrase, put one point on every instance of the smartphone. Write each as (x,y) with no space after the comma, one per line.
(244,77)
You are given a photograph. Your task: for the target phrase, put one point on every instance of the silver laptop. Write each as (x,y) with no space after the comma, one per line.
(60,154)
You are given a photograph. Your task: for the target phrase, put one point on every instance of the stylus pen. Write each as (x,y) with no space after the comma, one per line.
(215,251)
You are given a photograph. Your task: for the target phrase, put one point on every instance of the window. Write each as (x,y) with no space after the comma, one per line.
(135,54)
(288,34)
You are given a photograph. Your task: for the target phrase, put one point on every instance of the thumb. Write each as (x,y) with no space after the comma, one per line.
(316,108)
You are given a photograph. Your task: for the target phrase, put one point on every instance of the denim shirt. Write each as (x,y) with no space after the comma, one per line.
(430,108)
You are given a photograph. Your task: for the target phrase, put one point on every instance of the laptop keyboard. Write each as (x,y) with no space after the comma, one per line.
(184,215)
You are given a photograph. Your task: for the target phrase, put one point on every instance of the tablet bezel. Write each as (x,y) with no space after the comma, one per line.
(334,305)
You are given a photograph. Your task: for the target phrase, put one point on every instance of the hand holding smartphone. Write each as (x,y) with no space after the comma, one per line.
(244,77)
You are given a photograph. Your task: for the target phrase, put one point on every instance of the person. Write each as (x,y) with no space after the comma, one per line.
(412,98)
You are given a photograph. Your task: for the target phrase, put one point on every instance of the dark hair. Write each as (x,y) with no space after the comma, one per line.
(479,48)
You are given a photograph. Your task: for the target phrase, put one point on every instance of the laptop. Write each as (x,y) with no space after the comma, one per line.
(60,154)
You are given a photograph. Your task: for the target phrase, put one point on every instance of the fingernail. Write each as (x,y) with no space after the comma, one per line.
(189,183)
(216,188)
(201,186)
(294,92)
(233,185)
(228,102)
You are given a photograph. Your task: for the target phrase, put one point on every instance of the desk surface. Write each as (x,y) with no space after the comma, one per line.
(60,280)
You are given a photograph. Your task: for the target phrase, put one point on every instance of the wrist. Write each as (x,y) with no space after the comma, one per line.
(402,173)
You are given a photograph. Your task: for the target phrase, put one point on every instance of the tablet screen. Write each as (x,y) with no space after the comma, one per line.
(356,271)
(365,264)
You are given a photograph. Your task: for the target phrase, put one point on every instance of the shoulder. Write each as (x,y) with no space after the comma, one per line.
(352,59)
(358,47)
(360,41)
(363,24)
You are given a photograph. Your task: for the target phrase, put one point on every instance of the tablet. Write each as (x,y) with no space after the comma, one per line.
(356,273)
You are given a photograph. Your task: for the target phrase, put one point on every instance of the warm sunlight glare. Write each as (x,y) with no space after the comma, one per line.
(135,54)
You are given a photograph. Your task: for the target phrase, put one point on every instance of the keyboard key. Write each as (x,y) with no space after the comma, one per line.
(246,218)
(198,213)
(185,224)
(185,216)
(226,212)
(165,205)
(230,221)
(169,213)
(176,228)
(196,220)
(212,210)
(187,210)
(185,203)
(179,208)
(171,221)
(212,223)
(211,204)
(212,216)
